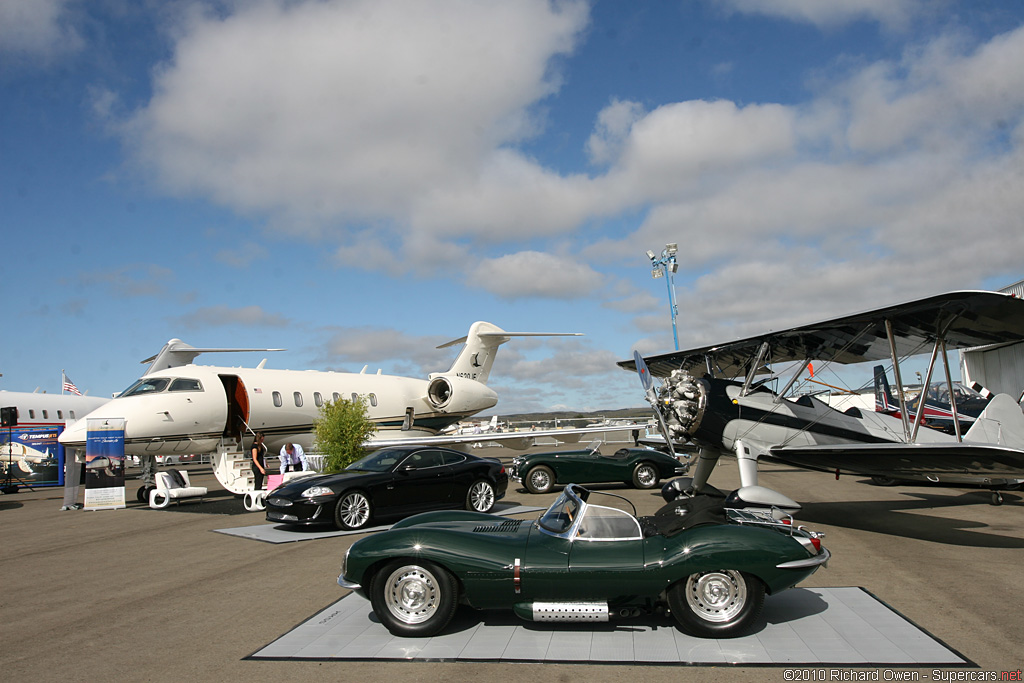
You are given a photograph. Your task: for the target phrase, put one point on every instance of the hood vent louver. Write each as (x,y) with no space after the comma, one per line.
(506,527)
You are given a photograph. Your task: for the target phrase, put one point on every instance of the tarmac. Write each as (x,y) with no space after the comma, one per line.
(156,595)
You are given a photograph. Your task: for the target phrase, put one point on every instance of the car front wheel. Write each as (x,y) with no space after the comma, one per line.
(480,497)
(413,598)
(645,476)
(716,604)
(352,511)
(539,479)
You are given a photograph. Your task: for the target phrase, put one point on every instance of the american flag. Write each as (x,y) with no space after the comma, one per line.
(69,385)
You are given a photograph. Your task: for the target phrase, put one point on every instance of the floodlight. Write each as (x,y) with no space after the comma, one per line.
(657,272)
(650,254)
(671,249)
(674,267)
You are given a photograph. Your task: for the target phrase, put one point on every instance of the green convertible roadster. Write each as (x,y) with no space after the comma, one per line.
(709,565)
(641,467)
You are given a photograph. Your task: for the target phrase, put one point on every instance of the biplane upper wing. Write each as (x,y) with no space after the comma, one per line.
(964,319)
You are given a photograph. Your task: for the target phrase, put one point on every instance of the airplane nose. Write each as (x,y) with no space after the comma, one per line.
(73,433)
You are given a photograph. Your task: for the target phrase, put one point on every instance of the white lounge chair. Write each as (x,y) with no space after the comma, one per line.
(173,485)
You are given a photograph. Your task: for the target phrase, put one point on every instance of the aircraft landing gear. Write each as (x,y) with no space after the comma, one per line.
(997,498)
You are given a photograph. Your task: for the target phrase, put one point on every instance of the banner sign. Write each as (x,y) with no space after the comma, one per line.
(104,464)
(32,455)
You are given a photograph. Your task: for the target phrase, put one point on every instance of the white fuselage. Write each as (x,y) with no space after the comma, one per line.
(39,409)
(191,408)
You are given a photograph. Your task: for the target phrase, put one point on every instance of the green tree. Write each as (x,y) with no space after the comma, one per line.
(340,431)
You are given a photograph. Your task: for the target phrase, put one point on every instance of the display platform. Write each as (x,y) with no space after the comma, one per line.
(283,533)
(802,626)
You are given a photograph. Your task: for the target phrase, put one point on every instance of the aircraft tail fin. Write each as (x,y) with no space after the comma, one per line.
(176,353)
(885,402)
(481,344)
(1001,423)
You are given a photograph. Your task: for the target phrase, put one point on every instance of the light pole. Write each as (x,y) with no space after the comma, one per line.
(666,266)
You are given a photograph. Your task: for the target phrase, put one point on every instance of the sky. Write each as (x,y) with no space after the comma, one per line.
(359,181)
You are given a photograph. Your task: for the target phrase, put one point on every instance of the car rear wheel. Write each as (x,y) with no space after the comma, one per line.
(717,604)
(539,479)
(480,497)
(413,598)
(352,511)
(645,476)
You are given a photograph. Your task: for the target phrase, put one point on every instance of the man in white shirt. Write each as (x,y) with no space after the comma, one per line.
(293,458)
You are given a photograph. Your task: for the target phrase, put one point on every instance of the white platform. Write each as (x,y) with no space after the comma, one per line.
(802,626)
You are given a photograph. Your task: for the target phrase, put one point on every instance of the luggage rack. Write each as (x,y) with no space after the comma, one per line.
(774,518)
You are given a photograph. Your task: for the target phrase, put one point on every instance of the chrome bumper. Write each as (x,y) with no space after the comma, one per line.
(819,560)
(344,583)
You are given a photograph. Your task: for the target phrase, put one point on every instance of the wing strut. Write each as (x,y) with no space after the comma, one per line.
(899,378)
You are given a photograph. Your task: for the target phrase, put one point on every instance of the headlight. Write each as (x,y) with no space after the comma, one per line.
(314,491)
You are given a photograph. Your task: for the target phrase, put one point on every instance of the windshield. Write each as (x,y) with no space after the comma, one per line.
(150,385)
(379,461)
(560,516)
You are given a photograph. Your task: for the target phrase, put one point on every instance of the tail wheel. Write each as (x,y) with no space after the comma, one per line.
(480,497)
(717,604)
(539,479)
(414,598)
(645,476)
(352,511)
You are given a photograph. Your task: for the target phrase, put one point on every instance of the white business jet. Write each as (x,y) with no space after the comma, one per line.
(177,407)
(39,409)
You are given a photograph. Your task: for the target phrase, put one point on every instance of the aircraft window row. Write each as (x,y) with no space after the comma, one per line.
(318,399)
(46,414)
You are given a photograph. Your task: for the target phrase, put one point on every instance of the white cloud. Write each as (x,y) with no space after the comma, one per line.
(37,28)
(349,109)
(220,316)
(536,274)
(890,13)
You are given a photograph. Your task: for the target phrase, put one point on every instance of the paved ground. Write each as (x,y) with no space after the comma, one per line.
(139,594)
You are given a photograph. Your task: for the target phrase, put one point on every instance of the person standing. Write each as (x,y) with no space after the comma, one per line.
(293,458)
(259,461)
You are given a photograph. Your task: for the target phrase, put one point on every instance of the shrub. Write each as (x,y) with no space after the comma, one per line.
(340,431)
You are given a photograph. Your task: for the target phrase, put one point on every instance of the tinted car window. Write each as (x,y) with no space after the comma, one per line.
(453,458)
(421,460)
(378,461)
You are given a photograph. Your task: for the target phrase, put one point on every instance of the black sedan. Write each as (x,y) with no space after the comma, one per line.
(391,483)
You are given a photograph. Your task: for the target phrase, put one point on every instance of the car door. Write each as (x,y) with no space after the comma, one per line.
(606,557)
(422,482)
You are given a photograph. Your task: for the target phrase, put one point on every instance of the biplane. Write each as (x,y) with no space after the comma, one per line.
(716,397)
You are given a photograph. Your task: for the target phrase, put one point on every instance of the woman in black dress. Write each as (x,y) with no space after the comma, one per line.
(259,461)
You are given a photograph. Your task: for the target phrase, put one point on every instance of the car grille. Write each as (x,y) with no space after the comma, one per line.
(277,501)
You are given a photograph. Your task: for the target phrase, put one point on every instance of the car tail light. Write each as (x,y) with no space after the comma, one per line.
(816,542)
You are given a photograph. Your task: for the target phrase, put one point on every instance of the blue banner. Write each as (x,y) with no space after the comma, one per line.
(33,455)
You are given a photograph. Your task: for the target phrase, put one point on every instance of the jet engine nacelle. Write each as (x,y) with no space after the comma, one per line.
(459,395)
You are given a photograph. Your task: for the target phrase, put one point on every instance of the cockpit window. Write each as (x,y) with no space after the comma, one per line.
(182,384)
(151,385)
(561,514)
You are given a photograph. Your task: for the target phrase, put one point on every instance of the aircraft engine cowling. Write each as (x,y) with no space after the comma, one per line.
(459,395)
(686,399)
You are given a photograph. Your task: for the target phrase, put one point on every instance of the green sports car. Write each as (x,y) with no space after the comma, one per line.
(643,468)
(709,565)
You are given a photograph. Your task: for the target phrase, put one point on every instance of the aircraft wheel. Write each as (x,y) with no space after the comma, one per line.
(143,493)
(480,497)
(645,476)
(539,479)
(414,598)
(352,511)
(716,604)
(997,498)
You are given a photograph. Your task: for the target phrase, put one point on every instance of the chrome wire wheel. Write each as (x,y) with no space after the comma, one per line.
(645,476)
(716,596)
(481,496)
(539,479)
(412,594)
(353,510)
